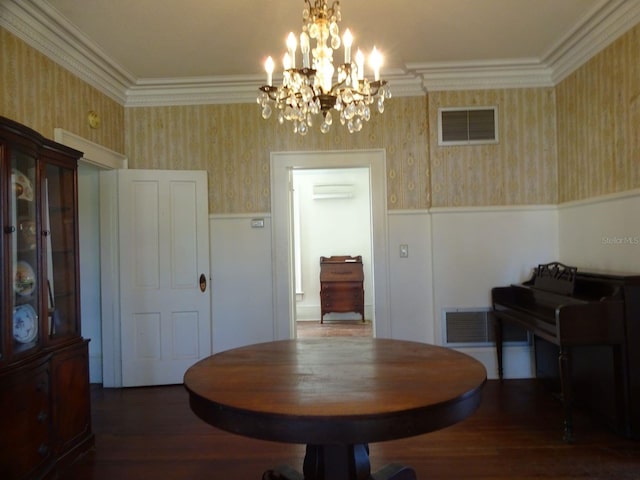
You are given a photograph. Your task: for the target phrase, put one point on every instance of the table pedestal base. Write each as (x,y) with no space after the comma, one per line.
(339,462)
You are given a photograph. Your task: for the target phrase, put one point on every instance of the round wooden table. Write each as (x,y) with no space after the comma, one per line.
(336,395)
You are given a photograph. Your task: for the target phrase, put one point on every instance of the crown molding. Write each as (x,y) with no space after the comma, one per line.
(600,27)
(404,83)
(233,89)
(516,73)
(43,28)
(193,91)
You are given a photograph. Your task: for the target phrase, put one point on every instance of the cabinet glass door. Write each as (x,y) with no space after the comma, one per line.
(60,252)
(23,257)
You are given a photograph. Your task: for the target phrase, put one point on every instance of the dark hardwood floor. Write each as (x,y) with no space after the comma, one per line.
(516,434)
(334,328)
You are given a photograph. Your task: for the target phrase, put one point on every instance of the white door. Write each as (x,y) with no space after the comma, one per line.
(164,274)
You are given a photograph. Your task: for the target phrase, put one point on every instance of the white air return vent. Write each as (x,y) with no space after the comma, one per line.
(476,327)
(467,126)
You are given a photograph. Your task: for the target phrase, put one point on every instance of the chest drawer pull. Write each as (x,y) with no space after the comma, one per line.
(42,416)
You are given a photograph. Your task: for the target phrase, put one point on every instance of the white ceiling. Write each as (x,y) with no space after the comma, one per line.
(188,38)
(140,51)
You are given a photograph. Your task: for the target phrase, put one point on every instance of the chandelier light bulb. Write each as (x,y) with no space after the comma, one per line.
(347,39)
(360,64)
(269,66)
(291,48)
(320,86)
(375,60)
(286,61)
(304,49)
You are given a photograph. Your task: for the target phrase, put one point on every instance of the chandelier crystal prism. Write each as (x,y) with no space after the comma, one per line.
(319,88)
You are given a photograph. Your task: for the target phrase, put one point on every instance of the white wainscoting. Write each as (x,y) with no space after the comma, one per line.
(410,278)
(456,255)
(242,281)
(475,249)
(602,233)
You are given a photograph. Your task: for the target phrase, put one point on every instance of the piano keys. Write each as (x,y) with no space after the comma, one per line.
(591,320)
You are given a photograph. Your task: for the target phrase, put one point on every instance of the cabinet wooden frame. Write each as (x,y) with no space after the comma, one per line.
(44,373)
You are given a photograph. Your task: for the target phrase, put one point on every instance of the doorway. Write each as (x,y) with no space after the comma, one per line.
(89,242)
(96,158)
(283,165)
(331,216)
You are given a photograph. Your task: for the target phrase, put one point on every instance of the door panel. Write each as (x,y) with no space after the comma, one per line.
(164,249)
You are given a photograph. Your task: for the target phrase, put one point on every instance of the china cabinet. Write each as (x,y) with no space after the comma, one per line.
(45,420)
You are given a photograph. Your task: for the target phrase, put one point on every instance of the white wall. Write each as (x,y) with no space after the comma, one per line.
(455,257)
(602,233)
(332,226)
(411,278)
(475,249)
(89,233)
(241,281)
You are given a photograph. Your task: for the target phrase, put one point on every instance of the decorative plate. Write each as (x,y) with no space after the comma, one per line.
(21,185)
(28,233)
(24,280)
(25,324)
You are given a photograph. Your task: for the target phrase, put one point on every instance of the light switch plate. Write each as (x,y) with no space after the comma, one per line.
(404,251)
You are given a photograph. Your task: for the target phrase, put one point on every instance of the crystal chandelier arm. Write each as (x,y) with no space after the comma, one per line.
(316,9)
(373,87)
(270,90)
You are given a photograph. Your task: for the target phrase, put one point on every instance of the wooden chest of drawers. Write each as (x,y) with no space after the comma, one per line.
(341,285)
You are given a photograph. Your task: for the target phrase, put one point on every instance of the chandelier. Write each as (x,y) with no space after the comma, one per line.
(309,91)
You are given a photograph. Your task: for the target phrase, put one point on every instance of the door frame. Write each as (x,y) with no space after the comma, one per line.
(282,165)
(105,159)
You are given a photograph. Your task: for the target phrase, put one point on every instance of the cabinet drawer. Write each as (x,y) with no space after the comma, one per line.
(339,286)
(71,414)
(342,300)
(25,437)
(342,296)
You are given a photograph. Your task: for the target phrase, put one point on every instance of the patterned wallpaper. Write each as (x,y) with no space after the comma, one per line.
(42,95)
(233,143)
(578,140)
(599,123)
(519,170)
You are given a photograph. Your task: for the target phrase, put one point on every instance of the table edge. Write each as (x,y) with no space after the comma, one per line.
(348,429)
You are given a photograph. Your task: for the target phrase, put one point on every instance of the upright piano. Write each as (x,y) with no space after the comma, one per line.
(590,323)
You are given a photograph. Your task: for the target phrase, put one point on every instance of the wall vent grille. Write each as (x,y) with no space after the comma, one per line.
(475,327)
(467,126)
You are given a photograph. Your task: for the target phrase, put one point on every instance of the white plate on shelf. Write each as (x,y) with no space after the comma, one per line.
(21,185)
(24,279)
(25,324)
